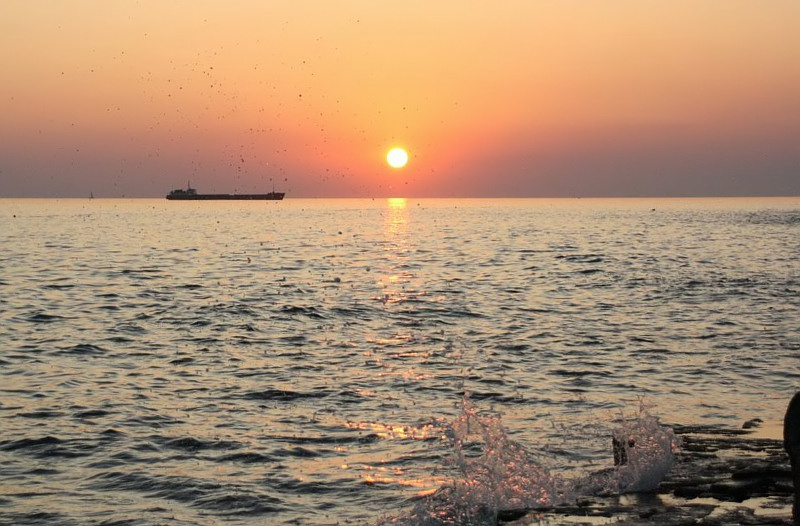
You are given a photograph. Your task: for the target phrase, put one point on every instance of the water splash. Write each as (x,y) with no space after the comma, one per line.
(498,477)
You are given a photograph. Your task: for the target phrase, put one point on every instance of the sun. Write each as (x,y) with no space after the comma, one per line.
(397,157)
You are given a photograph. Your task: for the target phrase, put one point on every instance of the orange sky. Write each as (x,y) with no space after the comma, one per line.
(518,98)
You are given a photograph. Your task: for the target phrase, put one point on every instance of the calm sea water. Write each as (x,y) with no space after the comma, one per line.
(306,361)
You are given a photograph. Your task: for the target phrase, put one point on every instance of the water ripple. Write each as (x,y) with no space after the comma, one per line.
(303,363)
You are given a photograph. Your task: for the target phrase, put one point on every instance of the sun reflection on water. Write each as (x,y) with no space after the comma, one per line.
(372,469)
(397,251)
(396,222)
(428,431)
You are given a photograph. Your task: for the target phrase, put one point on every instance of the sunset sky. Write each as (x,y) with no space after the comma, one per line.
(497,99)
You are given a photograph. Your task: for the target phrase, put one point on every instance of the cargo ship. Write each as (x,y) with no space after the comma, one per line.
(190,194)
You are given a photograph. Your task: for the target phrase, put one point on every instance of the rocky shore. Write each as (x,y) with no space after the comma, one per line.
(721,477)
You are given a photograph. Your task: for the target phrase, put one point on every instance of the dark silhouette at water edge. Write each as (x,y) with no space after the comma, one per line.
(791,441)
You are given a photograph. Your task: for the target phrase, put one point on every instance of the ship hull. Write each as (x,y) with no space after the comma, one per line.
(272,196)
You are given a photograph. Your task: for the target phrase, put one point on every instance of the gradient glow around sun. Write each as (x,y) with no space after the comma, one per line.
(397,157)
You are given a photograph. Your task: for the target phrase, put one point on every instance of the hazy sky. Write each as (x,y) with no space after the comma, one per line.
(511,98)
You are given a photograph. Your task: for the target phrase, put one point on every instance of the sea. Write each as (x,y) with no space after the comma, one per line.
(378,361)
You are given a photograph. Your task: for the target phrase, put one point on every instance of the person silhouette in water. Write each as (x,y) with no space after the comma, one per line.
(791,441)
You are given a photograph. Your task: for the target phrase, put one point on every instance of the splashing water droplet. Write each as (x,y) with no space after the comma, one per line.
(498,476)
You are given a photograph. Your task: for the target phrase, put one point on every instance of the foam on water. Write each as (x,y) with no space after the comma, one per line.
(499,477)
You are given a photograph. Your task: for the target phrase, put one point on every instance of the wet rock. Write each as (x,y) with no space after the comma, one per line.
(721,477)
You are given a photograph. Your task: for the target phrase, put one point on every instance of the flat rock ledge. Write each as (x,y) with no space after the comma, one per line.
(720,477)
